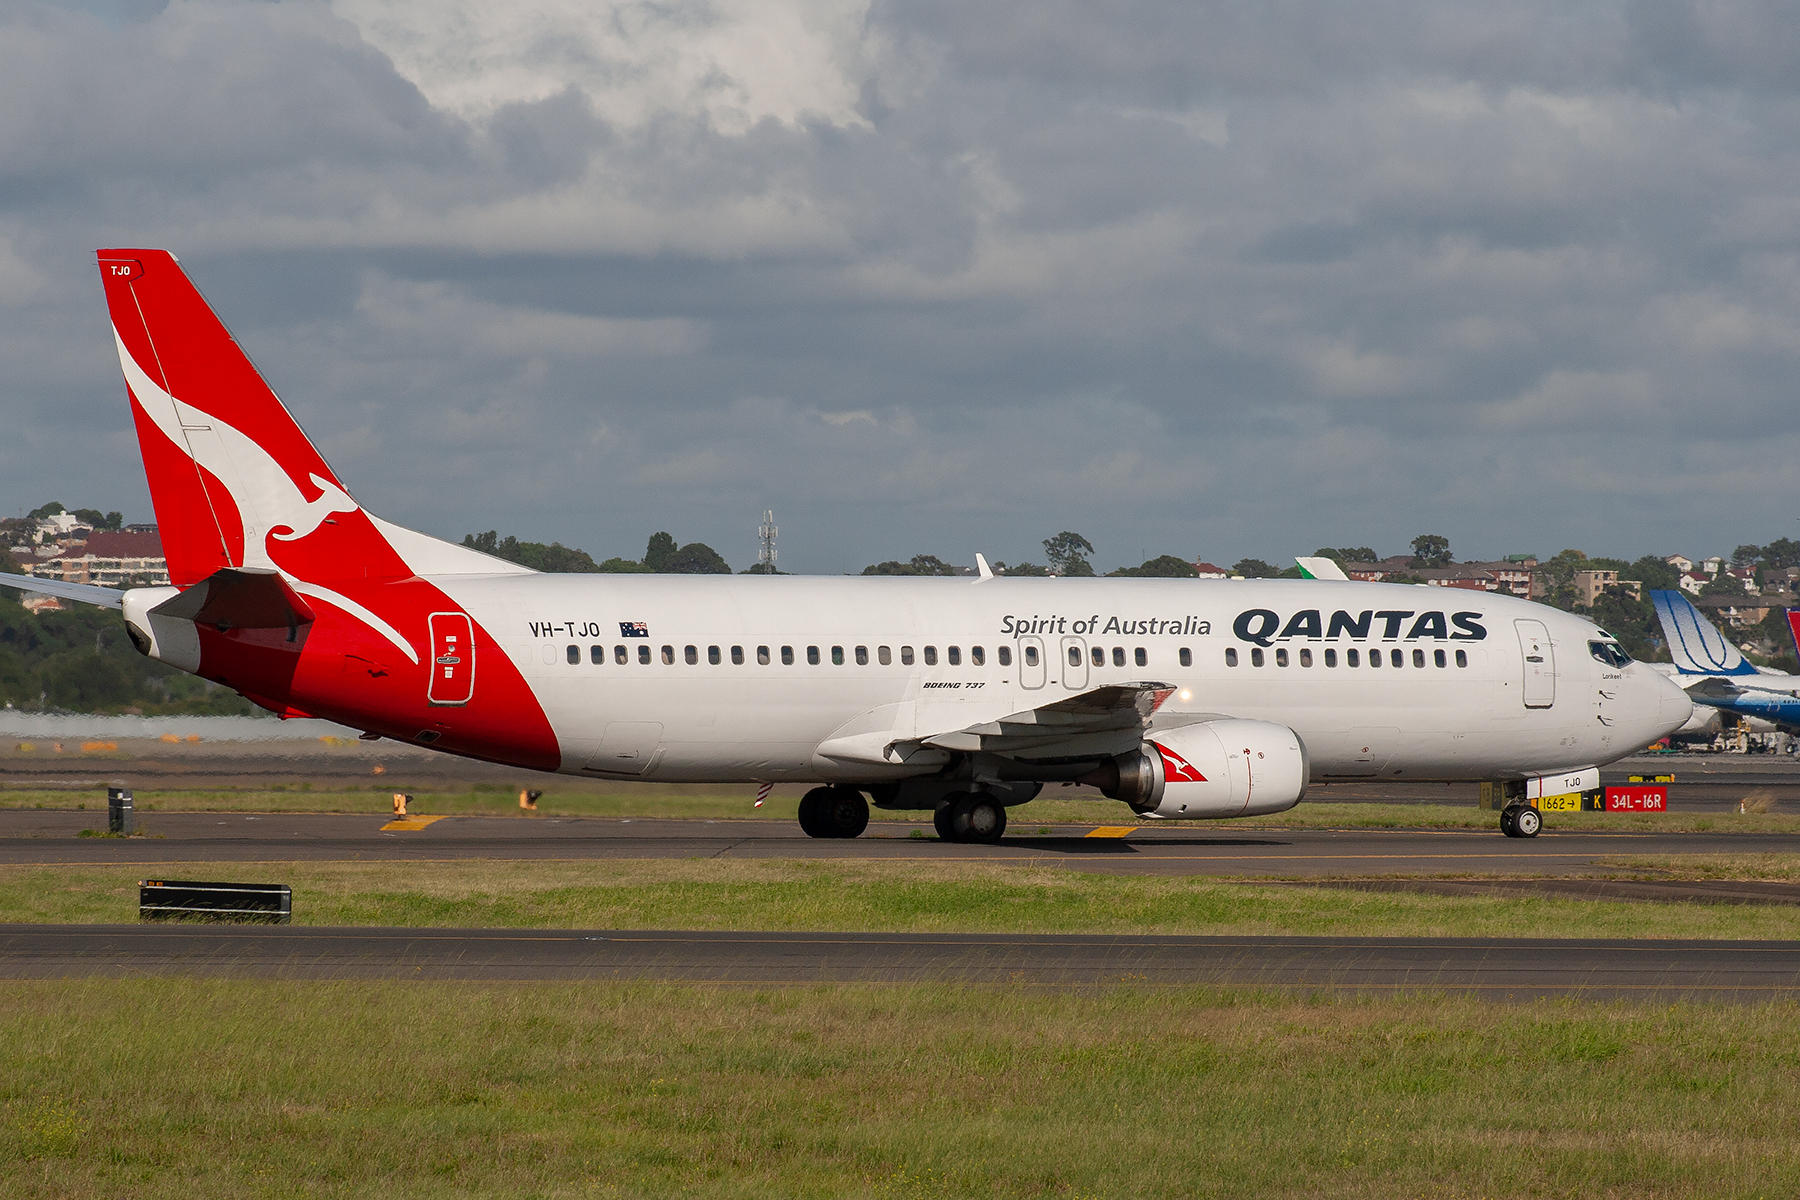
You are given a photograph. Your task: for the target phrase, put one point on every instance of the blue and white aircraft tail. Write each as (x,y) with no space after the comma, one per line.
(1695,644)
(1715,673)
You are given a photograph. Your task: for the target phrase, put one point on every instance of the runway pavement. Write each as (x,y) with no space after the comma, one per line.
(1502,969)
(30,836)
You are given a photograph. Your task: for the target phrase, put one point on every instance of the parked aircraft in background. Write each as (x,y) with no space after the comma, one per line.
(1714,673)
(960,696)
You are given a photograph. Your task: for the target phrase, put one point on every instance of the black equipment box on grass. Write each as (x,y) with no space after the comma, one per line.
(189,900)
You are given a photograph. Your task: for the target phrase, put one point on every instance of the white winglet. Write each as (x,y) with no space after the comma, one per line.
(982,568)
(1320,568)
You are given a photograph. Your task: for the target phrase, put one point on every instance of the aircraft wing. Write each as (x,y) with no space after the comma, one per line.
(1073,724)
(87,593)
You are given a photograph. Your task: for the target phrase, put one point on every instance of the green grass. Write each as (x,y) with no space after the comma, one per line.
(171,1088)
(722,802)
(911,896)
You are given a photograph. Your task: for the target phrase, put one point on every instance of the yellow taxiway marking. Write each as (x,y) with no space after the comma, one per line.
(409,823)
(1113,831)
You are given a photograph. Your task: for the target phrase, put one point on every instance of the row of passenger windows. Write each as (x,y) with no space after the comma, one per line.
(953,655)
(1352,657)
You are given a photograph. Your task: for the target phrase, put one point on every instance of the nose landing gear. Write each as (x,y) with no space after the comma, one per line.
(1520,821)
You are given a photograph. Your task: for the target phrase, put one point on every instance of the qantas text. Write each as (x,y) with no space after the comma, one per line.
(1261,626)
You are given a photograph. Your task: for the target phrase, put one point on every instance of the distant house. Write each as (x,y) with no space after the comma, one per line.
(1463,575)
(1207,570)
(1739,612)
(1692,581)
(1592,584)
(1680,562)
(60,527)
(1365,572)
(108,559)
(1511,575)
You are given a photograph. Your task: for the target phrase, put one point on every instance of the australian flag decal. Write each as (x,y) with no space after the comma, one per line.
(633,629)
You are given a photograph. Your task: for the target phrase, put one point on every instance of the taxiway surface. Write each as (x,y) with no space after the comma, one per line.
(34,836)
(1502,969)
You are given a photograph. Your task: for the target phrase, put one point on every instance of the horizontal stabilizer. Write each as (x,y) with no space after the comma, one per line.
(86,593)
(239,598)
(1695,644)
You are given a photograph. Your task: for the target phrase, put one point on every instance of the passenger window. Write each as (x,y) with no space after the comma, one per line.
(1305,657)
(787,656)
(1351,657)
(1118,656)
(573,654)
(954,655)
(691,654)
(1005,653)
(862,656)
(1462,658)
(837,656)
(737,656)
(1143,657)
(1418,657)
(812,656)
(762,656)
(1438,655)
(713,656)
(669,655)
(1331,658)
(620,655)
(1231,656)
(1375,657)
(1098,655)
(1395,658)
(597,655)
(1031,656)
(1256,657)
(977,656)
(906,656)
(931,656)
(644,656)
(884,656)
(1281,657)
(1074,656)
(1187,657)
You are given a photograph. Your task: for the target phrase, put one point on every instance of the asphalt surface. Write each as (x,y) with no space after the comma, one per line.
(33,836)
(1500,969)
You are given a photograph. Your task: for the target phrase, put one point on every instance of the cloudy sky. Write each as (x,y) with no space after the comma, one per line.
(1216,279)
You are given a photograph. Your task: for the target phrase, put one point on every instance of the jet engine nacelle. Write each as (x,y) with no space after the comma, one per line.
(1224,768)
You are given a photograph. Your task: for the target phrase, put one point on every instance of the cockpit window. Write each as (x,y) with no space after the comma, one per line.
(1610,653)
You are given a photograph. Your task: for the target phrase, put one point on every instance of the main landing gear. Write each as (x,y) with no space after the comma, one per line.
(833,812)
(970,817)
(1520,821)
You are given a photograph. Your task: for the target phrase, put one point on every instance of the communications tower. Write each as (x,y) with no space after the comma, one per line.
(765,557)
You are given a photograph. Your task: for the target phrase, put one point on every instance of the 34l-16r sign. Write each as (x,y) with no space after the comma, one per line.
(1639,797)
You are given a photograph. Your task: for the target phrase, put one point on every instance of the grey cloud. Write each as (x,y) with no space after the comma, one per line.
(1213,279)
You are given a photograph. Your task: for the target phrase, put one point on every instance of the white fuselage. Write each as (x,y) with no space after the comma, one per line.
(694,712)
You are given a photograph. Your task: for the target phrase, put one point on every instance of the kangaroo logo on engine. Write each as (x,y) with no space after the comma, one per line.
(1264,627)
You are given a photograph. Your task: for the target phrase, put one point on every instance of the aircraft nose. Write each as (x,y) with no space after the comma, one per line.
(1673,706)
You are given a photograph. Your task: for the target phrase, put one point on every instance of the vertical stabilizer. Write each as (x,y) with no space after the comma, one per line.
(1695,644)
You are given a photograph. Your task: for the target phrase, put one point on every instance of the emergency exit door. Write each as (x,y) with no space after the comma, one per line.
(1540,663)
(452,658)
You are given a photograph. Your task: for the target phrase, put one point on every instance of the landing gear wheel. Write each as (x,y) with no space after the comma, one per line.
(977,818)
(1507,825)
(844,814)
(941,820)
(813,808)
(1527,821)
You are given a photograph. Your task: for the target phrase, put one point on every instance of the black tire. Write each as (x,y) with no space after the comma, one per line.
(1506,822)
(978,818)
(814,807)
(844,814)
(1527,822)
(941,819)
